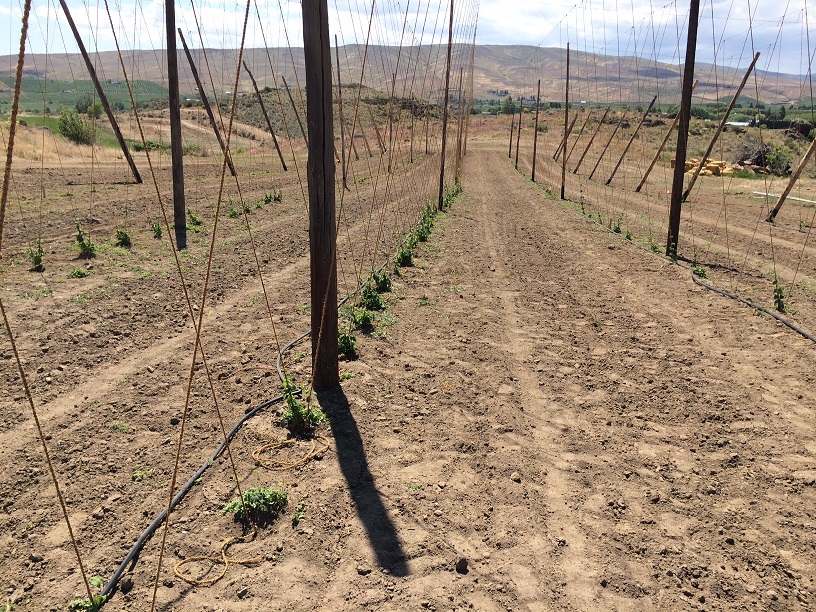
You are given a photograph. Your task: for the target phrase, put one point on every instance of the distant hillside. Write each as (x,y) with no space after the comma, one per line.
(498,68)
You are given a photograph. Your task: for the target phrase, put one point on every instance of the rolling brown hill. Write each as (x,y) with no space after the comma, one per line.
(514,68)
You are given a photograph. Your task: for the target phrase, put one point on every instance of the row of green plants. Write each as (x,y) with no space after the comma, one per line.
(362,316)
(274,196)
(88,248)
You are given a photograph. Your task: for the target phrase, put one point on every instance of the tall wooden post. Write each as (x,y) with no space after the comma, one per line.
(103,99)
(801,166)
(202,94)
(470,88)
(566,130)
(592,139)
(266,115)
(631,140)
(719,129)
(518,129)
(340,105)
(295,108)
(320,173)
(176,145)
(535,134)
(682,132)
(562,146)
(608,142)
(441,201)
(413,110)
(661,147)
(512,131)
(377,130)
(459,126)
(580,132)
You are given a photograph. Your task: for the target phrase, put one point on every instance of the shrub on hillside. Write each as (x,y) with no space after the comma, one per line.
(75,128)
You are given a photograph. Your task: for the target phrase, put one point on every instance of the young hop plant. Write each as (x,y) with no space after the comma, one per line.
(370,299)
(381,281)
(347,345)
(298,417)
(87,248)
(779,296)
(258,505)
(123,239)
(35,256)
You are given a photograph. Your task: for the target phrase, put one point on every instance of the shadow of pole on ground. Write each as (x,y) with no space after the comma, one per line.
(381,531)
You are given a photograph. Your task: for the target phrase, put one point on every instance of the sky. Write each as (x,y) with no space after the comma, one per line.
(729,32)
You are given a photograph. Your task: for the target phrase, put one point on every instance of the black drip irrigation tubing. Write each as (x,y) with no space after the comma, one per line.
(790,324)
(138,545)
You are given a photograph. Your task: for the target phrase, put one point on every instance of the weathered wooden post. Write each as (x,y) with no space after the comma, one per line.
(535,134)
(802,163)
(320,173)
(673,235)
(565,138)
(581,131)
(266,115)
(206,103)
(340,106)
(592,139)
(295,108)
(512,130)
(719,129)
(103,99)
(608,142)
(631,140)
(661,147)
(518,130)
(176,144)
(441,200)
(566,130)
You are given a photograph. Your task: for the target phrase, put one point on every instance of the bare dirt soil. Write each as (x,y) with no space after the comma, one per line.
(546,418)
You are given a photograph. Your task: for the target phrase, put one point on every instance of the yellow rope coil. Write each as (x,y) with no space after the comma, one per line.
(222,560)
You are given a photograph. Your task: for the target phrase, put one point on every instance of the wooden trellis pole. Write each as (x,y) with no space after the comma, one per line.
(512,129)
(320,174)
(802,163)
(673,235)
(445,112)
(609,142)
(592,139)
(470,88)
(631,140)
(518,130)
(719,129)
(377,130)
(661,147)
(103,99)
(176,144)
(459,127)
(295,108)
(535,134)
(265,114)
(565,138)
(566,131)
(340,105)
(581,131)
(206,103)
